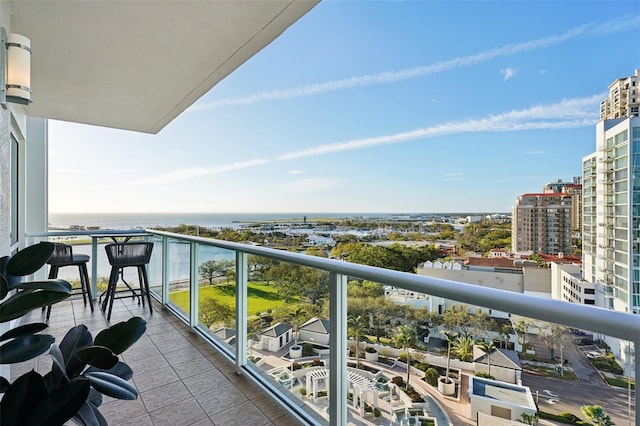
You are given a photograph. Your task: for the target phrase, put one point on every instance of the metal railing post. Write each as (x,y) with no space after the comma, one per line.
(241,309)
(165,271)
(193,284)
(94,267)
(338,352)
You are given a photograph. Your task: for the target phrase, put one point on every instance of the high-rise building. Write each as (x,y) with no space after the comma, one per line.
(541,223)
(623,100)
(574,189)
(611,214)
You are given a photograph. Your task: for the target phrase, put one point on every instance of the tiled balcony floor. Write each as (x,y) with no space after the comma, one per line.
(181,379)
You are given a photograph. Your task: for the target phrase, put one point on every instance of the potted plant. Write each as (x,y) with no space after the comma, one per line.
(446,386)
(83,368)
(371,353)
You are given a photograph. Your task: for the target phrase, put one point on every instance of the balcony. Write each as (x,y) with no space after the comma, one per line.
(186,373)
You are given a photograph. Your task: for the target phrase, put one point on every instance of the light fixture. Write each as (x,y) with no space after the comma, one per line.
(15,69)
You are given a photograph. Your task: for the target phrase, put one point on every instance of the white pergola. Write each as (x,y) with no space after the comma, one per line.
(357,383)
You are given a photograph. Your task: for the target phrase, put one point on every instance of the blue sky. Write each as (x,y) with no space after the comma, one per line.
(372,107)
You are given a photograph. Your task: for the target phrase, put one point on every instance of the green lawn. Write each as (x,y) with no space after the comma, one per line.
(261,297)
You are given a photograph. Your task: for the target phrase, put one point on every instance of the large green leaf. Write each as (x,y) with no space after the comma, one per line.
(4,384)
(112,386)
(28,300)
(121,370)
(30,259)
(60,405)
(88,415)
(76,338)
(58,361)
(4,287)
(24,330)
(24,348)
(95,398)
(98,356)
(123,335)
(53,284)
(21,397)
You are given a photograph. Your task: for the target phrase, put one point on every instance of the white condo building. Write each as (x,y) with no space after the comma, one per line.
(611,215)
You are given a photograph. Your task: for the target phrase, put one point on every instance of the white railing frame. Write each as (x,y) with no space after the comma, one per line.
(602,321)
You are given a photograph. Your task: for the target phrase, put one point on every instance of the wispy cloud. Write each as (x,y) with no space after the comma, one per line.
(566,114)
(616,25)
(508,73)
(312,184)
(534,152)
(452,174)
(453,177)
(191,173)
(570,113)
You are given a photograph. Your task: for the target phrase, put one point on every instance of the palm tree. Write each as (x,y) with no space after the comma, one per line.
(487,348)
(463,348)
(356,325)
(297,316)
(406,338)
(450,336)
(596,415)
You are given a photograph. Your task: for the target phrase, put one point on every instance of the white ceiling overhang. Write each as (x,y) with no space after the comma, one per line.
(138,64)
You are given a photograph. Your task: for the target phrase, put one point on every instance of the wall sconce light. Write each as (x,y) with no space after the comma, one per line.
(15,69)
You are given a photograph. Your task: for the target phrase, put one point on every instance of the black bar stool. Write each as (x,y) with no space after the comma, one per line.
(63,256)
(124,255)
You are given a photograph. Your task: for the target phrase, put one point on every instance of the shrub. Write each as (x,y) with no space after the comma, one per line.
(376,412)
(397,380)
(303,391)
(307,349)
(566,418)
(370,349)
(317,363)
(431,376)
(607,363)
(484,375)
(296,366)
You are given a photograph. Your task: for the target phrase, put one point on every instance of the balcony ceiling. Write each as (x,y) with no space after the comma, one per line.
(138,64)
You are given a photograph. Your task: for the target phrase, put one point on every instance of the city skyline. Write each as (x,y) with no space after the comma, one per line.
(365,107)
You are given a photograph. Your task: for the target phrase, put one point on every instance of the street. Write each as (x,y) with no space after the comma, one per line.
(557,396)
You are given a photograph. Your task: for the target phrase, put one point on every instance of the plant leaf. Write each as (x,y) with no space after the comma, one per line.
(58,360)
(24,348)
(61,405)
(123,335)
(4,384)
(75,339)
(53,284)
(30,259)
(28,300)
(21,397)
(112,386)
(24,330)
(121,370)
(95,398)
(4,287)
(86,416)
(97,356)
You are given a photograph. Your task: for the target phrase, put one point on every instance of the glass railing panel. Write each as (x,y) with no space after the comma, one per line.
(216,269)
(288,330)
(154,268)
(178,270)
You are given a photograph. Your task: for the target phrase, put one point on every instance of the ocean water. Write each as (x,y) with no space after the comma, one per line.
(209,220)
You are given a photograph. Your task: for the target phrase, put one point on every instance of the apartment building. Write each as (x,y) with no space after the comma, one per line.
(623,100)
(611,214)
(573,188)
(542,223)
